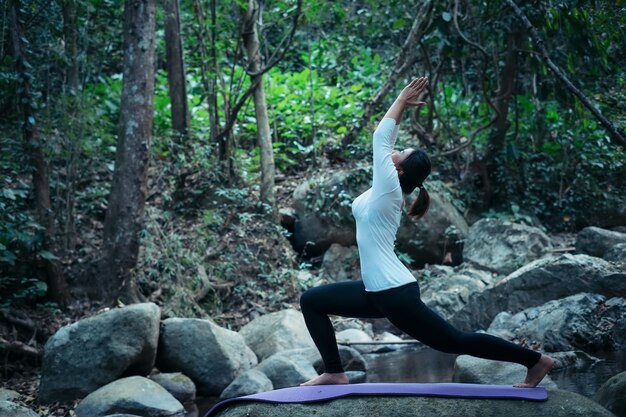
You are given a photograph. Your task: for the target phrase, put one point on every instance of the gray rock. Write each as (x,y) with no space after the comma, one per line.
(92,352)
(250,382)
(10,409)
(341,263)
(589,322)
(616,254)
(207,353)
(351,360)
(540,281)
(274,332)
(286,371)
(596,241)
(440,232)
(560,404)
(343,323)
(612,395)
(8,395)
(132,395)
(573,360)
(324,217)
(177,384)
(356,377)
(502,246)
(471,370)
(448,290)
(355,337)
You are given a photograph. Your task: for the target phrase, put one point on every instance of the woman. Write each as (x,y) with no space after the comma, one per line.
(388,289)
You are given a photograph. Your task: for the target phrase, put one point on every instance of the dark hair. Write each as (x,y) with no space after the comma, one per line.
(415,169)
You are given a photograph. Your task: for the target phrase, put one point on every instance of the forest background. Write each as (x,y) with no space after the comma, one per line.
(150,151)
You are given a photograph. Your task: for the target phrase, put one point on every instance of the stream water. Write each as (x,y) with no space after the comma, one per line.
(427,365)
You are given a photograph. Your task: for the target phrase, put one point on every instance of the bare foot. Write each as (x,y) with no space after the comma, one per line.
(537,372)
(328,379)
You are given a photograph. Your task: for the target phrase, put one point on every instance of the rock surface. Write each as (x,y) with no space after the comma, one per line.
(559,404)
(275,332)
(471,370)
(596,241)
(502,246)
(286,371)
(10,409)
(324,217)
(447,290)
(177,384)
(132,395)
(250,382)
(588,322)
(341,263)
(207,353)
(540,281)
(92,352)
(612,395)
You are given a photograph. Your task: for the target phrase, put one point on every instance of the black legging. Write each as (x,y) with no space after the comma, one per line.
(404,308)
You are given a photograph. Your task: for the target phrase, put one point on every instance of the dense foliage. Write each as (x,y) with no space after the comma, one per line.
(554,163)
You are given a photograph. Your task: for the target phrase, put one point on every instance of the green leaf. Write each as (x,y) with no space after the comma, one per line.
(48,255)
(398,24)
(446,16)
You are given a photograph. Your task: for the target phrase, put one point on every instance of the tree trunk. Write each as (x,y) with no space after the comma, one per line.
(125,211)
(176,69)
(506,84)
(70,36)
(57,287)
(251,42)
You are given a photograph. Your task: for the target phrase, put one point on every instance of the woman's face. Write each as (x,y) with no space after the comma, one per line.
(397,157)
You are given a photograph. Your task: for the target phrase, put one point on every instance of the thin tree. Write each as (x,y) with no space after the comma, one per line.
(176,69)
(125,211)
(33,144)
(250,36)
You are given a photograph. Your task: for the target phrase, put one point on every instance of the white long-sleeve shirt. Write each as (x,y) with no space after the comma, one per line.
(377,213)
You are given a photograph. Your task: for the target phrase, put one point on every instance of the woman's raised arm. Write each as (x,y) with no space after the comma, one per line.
(408,97)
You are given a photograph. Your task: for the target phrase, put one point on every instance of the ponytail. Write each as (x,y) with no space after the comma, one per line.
(415,169)
(421,204)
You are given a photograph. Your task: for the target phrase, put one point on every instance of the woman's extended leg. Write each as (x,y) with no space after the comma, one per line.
(348,299)
(404,308)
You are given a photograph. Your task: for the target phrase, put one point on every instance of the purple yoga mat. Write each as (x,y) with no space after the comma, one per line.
(328,392)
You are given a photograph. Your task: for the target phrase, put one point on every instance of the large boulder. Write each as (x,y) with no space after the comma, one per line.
(10,409)
(559,404)
(472,370)
(502,246)
(9,395)
(447,290)
(207,353)
(274,332)
(589,322)
(612,395)
(436,236)
(90,353)
(324,216)
(132,395)
(596,241)
(540,281)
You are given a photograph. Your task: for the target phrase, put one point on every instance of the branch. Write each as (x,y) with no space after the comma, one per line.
(19,348)
(256,76)
(483,72)
(405,60)
(616,135)
(278,56)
